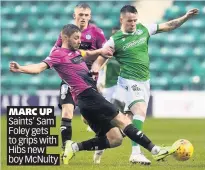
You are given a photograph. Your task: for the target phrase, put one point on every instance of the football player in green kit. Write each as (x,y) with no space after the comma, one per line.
(131,51)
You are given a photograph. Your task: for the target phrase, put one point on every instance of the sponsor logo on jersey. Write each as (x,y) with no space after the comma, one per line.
(88,37)
(134,43)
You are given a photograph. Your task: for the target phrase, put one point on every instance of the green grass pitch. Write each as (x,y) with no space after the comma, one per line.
(161,131)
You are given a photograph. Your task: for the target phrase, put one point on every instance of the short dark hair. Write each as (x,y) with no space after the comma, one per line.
(128,8)
(83,5)
(69,29)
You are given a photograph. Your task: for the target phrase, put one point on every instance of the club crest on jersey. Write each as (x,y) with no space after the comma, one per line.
(139,32)
(88,37)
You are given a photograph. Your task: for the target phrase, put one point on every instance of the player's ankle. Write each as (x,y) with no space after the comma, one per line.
(136,150)
(75,147)
(155,150)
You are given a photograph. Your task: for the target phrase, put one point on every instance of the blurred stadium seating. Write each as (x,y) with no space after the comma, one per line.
(178,57)
(29,30)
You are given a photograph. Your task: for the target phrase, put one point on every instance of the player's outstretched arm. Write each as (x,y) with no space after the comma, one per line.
(98,64)
(29,69)
(173,24)
(105,52)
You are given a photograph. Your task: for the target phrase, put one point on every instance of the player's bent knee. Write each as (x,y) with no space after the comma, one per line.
(115,142)
(115,137)
(140,113)
(139,109)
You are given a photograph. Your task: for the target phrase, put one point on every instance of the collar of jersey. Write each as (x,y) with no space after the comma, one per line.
(68,50)
(126,33)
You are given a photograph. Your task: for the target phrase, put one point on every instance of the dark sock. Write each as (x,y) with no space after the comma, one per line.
(98,143)
(137,136)
(66,130)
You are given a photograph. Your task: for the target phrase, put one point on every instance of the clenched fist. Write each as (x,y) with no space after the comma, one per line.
(14,66)
(192,12)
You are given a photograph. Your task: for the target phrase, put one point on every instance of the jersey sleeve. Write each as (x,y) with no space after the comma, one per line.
(100,38)
(110,43)
(52,60)
(152,28)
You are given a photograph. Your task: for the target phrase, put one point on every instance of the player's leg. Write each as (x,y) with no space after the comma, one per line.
(100,113)
(112,141)
(135,102)
(115,95)
(114,136)
(139,110)
(124,123)
(107,94)
(66,103)
(66,123)
(139,114)
(94,107)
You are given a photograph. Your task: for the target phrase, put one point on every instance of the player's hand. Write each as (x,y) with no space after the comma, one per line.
(192,12)
(14,66)
(94,75)
(107,51)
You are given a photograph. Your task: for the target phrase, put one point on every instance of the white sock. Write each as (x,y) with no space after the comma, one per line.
(75,147)
(99,152)
(155,150)
(136,150)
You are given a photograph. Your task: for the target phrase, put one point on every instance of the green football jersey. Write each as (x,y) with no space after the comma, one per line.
(111,71)
(131,51)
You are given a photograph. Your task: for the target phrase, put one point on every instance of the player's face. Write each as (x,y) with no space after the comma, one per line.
(74,41)
(82,17)
(129,21)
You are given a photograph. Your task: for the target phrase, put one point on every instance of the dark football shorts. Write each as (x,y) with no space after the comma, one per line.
(97,111)
(65,95)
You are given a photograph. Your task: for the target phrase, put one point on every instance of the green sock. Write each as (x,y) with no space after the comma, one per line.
(138,124)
